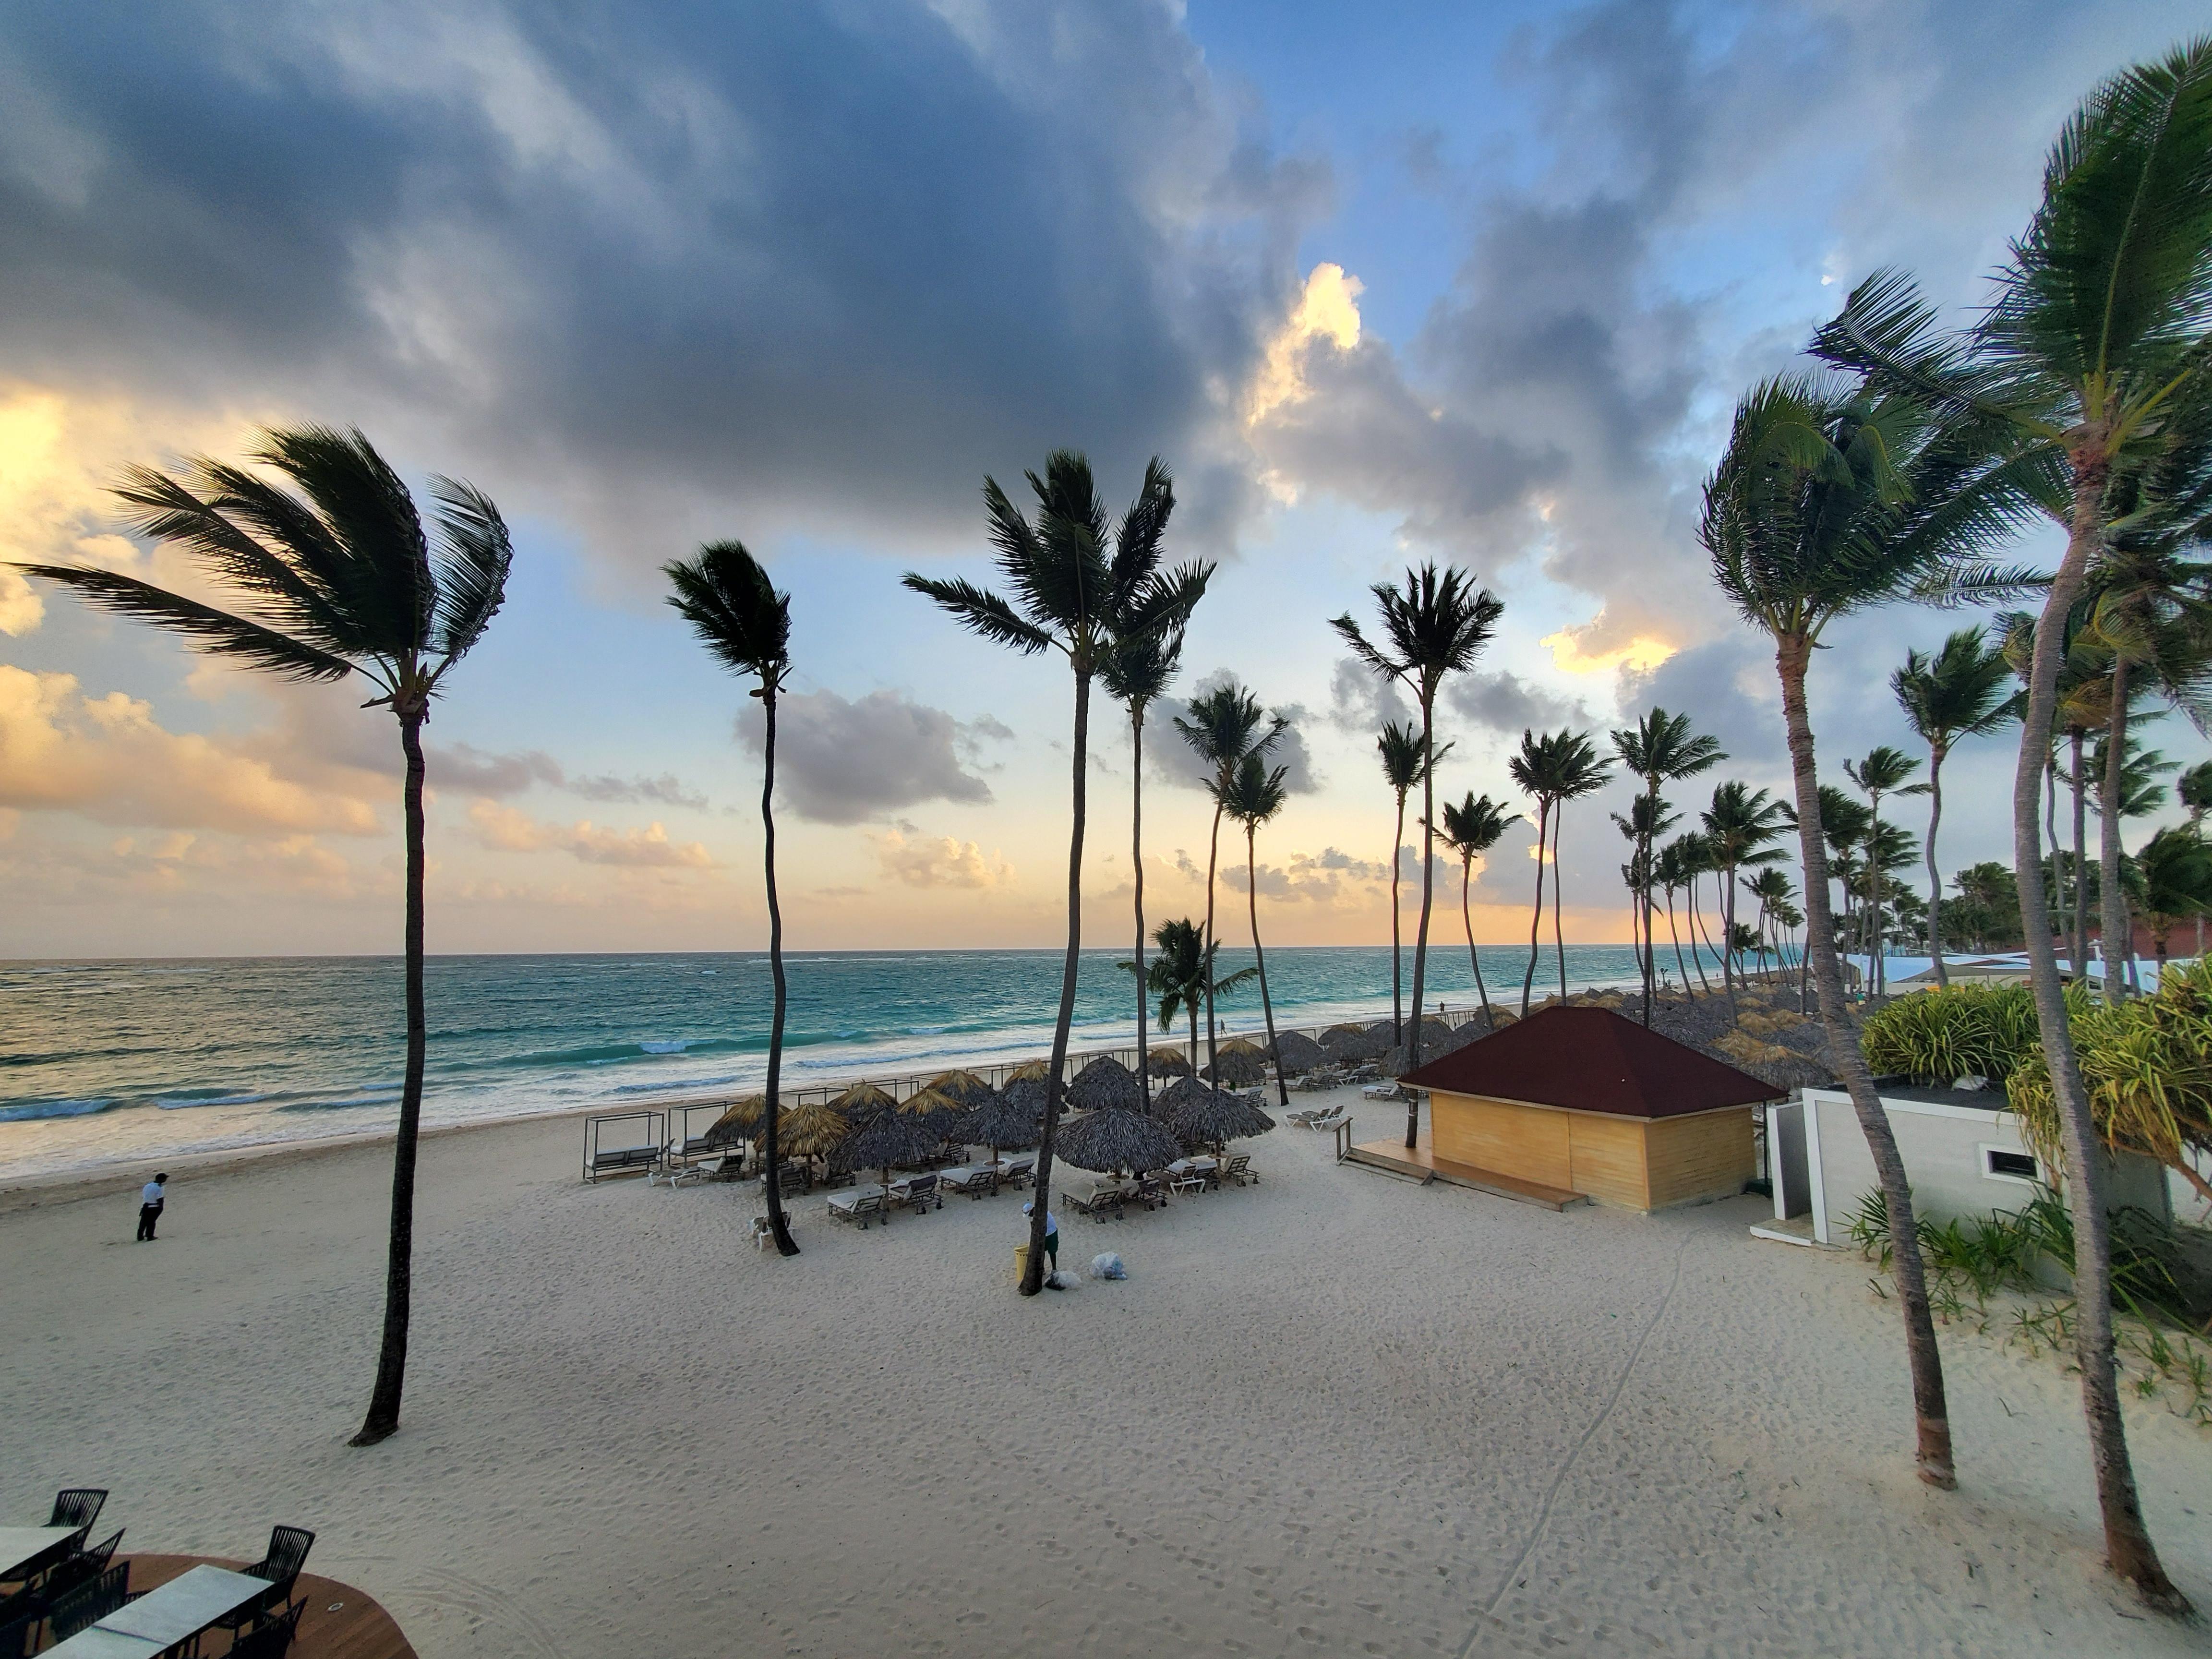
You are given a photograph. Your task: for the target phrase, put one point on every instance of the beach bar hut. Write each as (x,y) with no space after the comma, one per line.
(1579,1104)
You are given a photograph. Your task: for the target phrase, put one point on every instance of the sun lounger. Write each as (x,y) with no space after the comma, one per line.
(1381,1091)
(1104,1202)
(1013,1171)
(862,1207)
(622,1160)
(1150,1191)
(1239,1170)
(1328,1120)
(920,1194)
(976,1182)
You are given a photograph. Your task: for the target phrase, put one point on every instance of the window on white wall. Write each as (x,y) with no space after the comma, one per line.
(2011,1164)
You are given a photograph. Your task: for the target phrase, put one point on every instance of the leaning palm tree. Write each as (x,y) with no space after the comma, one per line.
(1883,772)
(1433,626)
(1957,693)
(1739,828)
(1673,869)
(1828,501)
(1648,817)
(1660,749)
(1399,746)
(1180,978)
(1224,725)
(1084,590)
(2099,337)
(745,623)
(2193,788)
(341,582)
(1551,769)
(2176,867)
(1255,795)
(1139,670)
(1472,828)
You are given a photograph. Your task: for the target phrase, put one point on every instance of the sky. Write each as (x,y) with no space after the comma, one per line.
(1382,285)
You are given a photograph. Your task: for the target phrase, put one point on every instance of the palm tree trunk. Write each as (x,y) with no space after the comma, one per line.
(1267,1004)
(1397,950)
(1558,935)
(1213,1036)
(2060,875)
(2128,1548)
(770,1178)
(383,1418)
(2080,865)
(1935,881)
(2112,901)
(1137,863)
(1428,898)
(1727,936)
(1697,933)
(1467,915)
(1931,1413)
(1536,921)
(1643,866)
(1041,1203)
(1673,933)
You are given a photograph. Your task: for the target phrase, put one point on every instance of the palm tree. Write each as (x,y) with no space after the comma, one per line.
(1255,795)
(2176,866)
(1737,827)
(1955,694)
(1648,817)
(1557,768)
(2097,336)
(2194,790)
(1828,501)
(1471,829)
(1674,869)
(1139,670)
(1085,594)
(1660,749)
(1884,771)
(741,618)
(1771,888)
(339,583)
(1433,626)
(1399,745)
(1224,725)
(1178,976)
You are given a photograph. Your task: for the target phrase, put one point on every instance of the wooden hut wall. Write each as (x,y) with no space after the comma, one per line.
(1636,1164)
(1708,1156)
(1528,1141)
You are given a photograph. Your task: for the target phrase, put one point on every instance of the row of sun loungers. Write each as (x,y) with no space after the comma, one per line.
(867,1204)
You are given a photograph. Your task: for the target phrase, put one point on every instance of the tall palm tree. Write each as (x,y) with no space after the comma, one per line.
(1828,501)
(743,620)
(1399,746)
(2081,700)
(1883,772)
(2177,883)
(1178,975)
(342,581)
(2194,790)
(1660,749)
(1739,827)
(1138,671)
(1557,768)
(1648,817)
(1676,869)
(1433,626)
(1255,795)
(1224,725)
(1771,887)
(1085,590)
(1957,693)
(2097,338)
(1472,829)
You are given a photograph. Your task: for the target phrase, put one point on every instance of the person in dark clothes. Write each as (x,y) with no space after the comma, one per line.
(151,1197)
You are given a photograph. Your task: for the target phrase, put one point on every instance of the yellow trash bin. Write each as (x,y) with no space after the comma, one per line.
(1021,1261)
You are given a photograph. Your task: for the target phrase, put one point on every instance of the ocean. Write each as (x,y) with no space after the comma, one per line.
(108,1060)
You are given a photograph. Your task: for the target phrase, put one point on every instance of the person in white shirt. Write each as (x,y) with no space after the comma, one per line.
(1051,1233)
(151,1197)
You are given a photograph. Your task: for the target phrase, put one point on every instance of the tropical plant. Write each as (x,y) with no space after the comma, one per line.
(1774,892)
(1557,768)
(1225,724)
(1884,771)
(1139,670)
(341,582)
(1956,693)
(1828,501)
(1674,869)
(1471,829)
(1648,817)
(2177,883)
(2194,790)
(1181,976)
(1964,1031)
(1400,748)
(1738,827)
(745,623)
(2095,348)
(1253,796)
(1433,626)
(1660,749)
(1086,592)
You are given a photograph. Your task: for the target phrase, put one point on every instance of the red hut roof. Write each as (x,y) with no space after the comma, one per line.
(1593,1060)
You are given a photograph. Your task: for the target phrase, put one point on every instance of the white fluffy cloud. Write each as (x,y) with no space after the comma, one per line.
(505,829)
(918,860)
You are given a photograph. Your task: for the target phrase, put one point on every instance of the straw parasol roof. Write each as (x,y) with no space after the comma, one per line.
(1210,1116)
(1027,1087)
(1240,1063)
(939,1111)
(1167,1062)
(1033,1071)
(894,1138)
(1117,1139)
(737,1121)
(862,1102)
(1106,1083)
(811,1131)
(999,1123)
(964,1088)
(1296,1052)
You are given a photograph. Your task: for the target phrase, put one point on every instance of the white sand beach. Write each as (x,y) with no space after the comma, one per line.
(1332,1414)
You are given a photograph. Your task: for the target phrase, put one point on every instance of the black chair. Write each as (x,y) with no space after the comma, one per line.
(79,1569)
(272,1638)
(78,1507)
(288,1554)
(90,1602)
(18,1625)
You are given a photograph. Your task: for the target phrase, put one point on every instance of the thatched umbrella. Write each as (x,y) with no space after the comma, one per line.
(1208,1117)
(1238,1063)
(1348,1043)
(1002,1123)
(1105,1084)
(1167,1062)
(812,1131)
(863,1102)
(738,1123)
(1026,1086)
(894,1138)
(1296,1052)
(939,1111)
(1117,1139)
(964,1089)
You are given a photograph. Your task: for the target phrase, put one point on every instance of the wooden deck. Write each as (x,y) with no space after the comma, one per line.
(1422,1164)
(340,1621)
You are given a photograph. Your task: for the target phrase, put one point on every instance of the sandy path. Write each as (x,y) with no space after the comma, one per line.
(1331,1414)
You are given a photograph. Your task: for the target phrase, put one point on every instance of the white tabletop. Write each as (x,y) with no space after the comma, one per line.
(185,1606)
(20,1544)
(98,1643)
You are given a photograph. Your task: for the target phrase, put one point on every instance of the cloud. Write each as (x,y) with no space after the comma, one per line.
(1327,878)
(841,760)
(1503,702)
(505,829)
(919,860)
(1362,702)
(471,771)
(1730,690)
(1169,760)
(107,758)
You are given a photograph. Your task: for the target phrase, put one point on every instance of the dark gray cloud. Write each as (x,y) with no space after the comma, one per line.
(843,761)
(813,256)
(1172,761)
(1362,702)
(1503,702)
(465,767)
(1728,690)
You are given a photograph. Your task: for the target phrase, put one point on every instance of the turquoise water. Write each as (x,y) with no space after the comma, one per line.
(108,1059)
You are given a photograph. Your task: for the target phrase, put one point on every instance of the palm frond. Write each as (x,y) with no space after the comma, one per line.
(216,632)
(385,578)
(725,595)
(981,612)
(472,585)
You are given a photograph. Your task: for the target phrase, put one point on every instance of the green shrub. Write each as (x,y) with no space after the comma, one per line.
(1968,1030)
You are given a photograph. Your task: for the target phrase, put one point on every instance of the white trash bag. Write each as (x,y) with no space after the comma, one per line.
(1062,1281)
(1107,1265)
